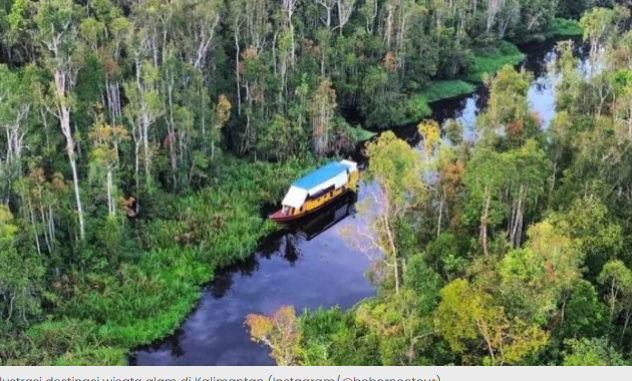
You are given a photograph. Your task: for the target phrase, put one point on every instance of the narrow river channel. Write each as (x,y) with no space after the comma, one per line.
(311,266)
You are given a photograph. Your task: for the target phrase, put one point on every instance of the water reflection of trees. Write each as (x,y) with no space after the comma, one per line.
(285,244)
(223,279)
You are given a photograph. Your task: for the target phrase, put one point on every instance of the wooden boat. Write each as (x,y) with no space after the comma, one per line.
(318,189)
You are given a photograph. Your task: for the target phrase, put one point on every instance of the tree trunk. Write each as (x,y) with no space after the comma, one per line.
(483,330)
(613,297)
(625,324)
(172,139)
(34,227)
(237,75)
(388,32)
(110,189)
(75,182)
(146,153)
(70,151)
(439,219)
(517,220)
(391,241)
(484,218)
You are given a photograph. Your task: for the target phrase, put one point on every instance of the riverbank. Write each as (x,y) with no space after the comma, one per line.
(105,315)
(485,63)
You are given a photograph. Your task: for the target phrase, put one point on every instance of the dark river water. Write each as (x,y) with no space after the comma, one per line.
(312,265)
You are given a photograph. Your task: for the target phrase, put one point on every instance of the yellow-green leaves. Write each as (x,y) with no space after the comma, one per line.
(617,278)
(280,332)
(396,167)
(470,320)
(600,24)
(534,279)
(458,312)
(222,111)
(431,134)
(508,117)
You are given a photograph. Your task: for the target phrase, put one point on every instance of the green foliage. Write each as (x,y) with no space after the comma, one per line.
(573,9)
(333,337)
(564,28)
(105,315)
(447,256)
(490,62)
(144,300)
(585,316)
(599,239)
(224,221)
(424,281)
(395,167)
(468,319)
(558,29)
(417,108)
(121,194)
(508,121)
(534,279)
(486,177)
(592,352)
(100,315)
(520,300)
(22,276)
(439,90)
(359,134)
(404,332)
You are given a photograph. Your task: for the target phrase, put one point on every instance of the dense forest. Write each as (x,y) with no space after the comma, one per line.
(141,137)
(509,250)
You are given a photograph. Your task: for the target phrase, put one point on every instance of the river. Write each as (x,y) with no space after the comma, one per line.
(313,265)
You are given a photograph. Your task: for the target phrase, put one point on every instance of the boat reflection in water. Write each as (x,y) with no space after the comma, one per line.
(300,265)
(286,243)
(313,226)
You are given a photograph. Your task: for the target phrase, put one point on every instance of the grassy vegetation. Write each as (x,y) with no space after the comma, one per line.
(359,134)
(564,28)
(490,62)
(417,108)
(484,63)
(439,90)
(101,316)
(559,29)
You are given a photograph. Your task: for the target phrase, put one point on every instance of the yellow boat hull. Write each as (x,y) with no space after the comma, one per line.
(314,204)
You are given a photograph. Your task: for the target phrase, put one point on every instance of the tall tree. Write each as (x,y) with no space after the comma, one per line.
(106,139)
(17,104)
(487,177)
(396,169)
(321,112)
(468,319)
(280,332)
(57,22)
(617,279)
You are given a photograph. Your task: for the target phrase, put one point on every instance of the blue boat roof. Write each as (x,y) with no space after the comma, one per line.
(320,175)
